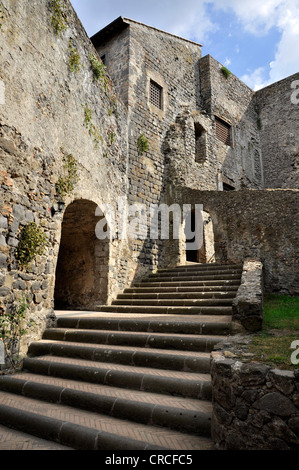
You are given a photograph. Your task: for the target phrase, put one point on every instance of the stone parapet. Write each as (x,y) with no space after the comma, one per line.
(248,304)
(255,407)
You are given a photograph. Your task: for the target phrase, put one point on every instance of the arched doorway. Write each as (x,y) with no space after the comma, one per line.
(83,260)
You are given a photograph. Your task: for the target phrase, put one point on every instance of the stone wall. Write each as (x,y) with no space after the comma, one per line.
(255,407)
(229,99)
(278,109)
(43,120)
(172,63)
(260,225)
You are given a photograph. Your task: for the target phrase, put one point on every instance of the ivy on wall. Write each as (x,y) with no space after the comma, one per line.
(59,16)
(66,182)
(32,242)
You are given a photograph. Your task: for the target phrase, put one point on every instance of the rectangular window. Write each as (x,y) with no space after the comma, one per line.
(156,94)
(223,131)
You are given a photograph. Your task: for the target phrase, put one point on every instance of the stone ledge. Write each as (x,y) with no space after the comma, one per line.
(255,407)
(248,304)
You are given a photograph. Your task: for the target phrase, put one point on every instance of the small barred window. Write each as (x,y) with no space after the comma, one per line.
(223,131)
(156,94)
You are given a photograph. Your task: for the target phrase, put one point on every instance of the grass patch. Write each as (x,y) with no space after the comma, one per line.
(281,312)
(280,329)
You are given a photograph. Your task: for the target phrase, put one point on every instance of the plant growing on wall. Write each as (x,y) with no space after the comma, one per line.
(32,243)
(74,58)
(227,73)
(12,328)
(59,16)
(92,130)
(111,137)
(66,183)
(142,145)
(99,71)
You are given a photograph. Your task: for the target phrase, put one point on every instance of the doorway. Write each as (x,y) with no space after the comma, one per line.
(83,260)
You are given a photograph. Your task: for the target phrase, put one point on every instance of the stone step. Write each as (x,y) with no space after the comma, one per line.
(197,289)
(187,283)
(177,295)
(197,273)
(191,277)
(202,267)
(85,430)
(216,325)
(13,440)
(187,310)
(133,356)
(190,342)
(174,302)
(181,414)
(176,383)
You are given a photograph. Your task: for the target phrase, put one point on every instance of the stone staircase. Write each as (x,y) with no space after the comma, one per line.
(134,376)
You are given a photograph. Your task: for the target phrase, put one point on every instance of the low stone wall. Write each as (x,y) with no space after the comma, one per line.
(255,407)
(248,304)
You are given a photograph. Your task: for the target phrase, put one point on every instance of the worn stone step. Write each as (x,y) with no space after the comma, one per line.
(140,357)
(13,440)
(174,302)
(197,289)
(185,415)
(216,325)
(191,277)
(177,295)
(66,432)
(197,273)
(187,283)
(198,310)
(181,342)
(86,430)
(176,383)
(202,267)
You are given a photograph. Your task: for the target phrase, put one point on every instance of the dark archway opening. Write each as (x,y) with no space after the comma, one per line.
(83,260)
(191,255)
(206,252)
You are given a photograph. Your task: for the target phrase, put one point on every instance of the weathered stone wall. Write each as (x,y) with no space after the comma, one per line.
(231,100)
(259,225)
(173,64)
(43,113)
(249,301)
(278,110)
(255,407)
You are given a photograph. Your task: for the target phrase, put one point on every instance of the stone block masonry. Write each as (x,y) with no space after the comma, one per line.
(43,120)
(255,407)
(279,116)
(260,225)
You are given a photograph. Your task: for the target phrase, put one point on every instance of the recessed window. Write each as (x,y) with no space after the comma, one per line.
(104,59)
(156,95)
(228,187)
(200,143)
(223,131)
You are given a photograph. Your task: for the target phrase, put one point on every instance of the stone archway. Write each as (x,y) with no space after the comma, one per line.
(82,267)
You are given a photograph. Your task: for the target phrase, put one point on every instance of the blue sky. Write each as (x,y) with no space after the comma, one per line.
(257,40)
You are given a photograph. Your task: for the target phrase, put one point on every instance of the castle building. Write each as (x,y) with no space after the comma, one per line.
(161,125)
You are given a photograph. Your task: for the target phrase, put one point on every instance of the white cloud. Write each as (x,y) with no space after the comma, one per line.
(256,79)
(257,18)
